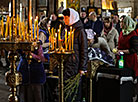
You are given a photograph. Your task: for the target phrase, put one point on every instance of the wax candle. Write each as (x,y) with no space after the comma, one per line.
(69,41)
(52,38)
(66,44)
(2,27)
(59,44)
(15,29)
(72,39)
(7,24)
(10,29)
(23,31)
(49,38)
(35,29)
(20,30)
(55,41)
(70,29)
(31,29)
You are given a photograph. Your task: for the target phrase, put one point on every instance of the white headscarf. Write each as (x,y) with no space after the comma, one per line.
(74,16)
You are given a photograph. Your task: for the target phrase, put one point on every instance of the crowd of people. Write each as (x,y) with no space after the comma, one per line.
(94,37)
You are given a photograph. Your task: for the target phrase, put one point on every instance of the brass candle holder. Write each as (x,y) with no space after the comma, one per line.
(61,47)
(16,37)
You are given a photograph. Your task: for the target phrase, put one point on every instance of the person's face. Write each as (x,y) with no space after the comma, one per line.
(92,17)
(54,17)
(83,14)
(107,24)
(116,17)
(66,20)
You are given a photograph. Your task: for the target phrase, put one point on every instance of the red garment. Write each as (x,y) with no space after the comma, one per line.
(130,60)
(137,31)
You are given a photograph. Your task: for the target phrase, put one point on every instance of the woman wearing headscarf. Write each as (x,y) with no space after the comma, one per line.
(76,62)
(128,43)
(44,37)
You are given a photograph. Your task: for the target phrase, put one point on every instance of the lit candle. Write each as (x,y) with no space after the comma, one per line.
(20,30)
(10,28)
(17,19)
(69,41)
(27,35)
(2,27)
(55,41)
(23,31)
(59,39)
(15,29)
(52,38)
(35,29)
(72,39)
(70,29)
(7,23)
(66,46)
(49,30)
(49,37)
(31,29)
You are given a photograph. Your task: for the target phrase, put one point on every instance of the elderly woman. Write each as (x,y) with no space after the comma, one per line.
(128,43)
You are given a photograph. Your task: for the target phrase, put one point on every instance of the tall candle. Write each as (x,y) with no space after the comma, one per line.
(49,37)
(15,28)
(72,39)
(31,29)
(70,29)
(27,33)
(23,31)
(2,27)
(37,32)
(52,38)
(69,41)
(66,46)
(10,29)
(7,24)
(59,44)
(55,41)
(35,29)
(20,30)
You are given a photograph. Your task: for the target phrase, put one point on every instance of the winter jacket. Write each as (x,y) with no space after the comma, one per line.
(78,60)
(32,73)
(111,38)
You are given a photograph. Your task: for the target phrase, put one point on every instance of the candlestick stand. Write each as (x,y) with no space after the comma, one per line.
(92,67)
(14,78)
(61,56)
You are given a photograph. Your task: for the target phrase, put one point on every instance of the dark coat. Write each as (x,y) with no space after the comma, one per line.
(97,26)
(32,73)
(78,60)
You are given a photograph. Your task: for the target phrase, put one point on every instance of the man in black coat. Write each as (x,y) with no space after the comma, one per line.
(77,62)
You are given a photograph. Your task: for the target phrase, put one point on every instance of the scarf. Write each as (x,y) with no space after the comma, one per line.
(107,30)
(129,25)
(74,16)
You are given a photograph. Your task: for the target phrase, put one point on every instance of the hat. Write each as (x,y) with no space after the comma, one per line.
(92,13)
(90,33)
(83,9)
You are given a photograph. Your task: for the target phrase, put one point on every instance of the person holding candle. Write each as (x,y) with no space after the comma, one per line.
(76,62)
